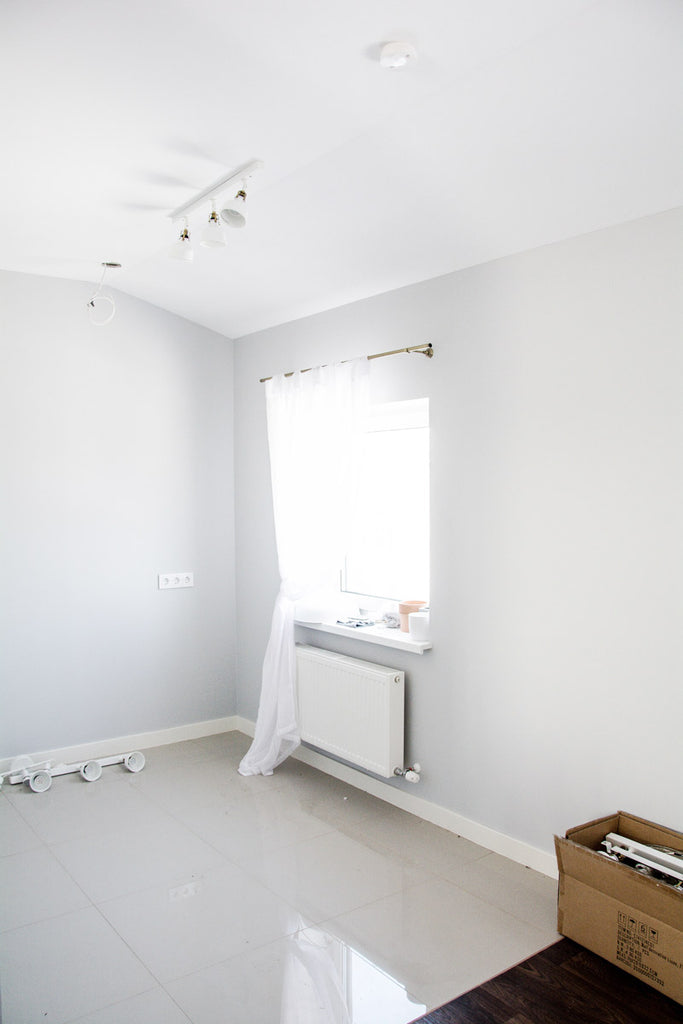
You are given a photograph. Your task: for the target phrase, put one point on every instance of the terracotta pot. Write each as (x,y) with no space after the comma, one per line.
(404,610)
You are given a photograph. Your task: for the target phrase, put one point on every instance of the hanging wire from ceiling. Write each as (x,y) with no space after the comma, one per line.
(101,305)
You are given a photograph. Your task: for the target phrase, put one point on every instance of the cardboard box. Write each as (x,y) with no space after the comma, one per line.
(632,920)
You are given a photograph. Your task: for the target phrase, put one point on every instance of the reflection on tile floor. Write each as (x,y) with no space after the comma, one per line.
(187,893)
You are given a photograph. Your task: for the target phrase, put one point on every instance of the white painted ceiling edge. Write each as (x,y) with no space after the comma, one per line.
(517,125)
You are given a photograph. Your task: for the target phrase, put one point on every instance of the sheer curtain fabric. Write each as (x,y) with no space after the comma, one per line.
(314,421)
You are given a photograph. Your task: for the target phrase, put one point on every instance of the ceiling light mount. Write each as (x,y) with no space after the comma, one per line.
(101,307)
(397,55)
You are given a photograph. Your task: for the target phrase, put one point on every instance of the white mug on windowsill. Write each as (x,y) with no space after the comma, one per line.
(418,626)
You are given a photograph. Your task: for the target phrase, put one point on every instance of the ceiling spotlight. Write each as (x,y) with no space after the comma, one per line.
(397,55)
(182,249)
(212,235)
(234,213)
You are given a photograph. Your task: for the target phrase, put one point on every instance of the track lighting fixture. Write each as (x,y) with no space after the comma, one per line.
(232,212)
(182,249)
(212,235)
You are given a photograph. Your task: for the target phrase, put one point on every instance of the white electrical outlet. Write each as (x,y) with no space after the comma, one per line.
(171,580)
(183,892)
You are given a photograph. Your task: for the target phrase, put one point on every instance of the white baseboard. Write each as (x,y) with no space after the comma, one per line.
(496,842)
(137,741)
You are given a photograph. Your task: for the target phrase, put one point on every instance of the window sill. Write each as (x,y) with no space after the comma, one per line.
(382,635)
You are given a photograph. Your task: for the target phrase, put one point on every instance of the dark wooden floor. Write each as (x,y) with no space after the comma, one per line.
(564,984)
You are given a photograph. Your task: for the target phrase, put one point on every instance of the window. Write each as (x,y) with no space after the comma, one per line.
(388,551)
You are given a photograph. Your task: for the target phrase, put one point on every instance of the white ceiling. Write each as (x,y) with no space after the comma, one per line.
(520,124)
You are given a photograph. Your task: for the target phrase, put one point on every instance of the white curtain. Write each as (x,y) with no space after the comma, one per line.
(314,422)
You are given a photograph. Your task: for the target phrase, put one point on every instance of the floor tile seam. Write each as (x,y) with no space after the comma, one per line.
(243,864)
(166,886)
(114,930)
(369,903)
(257,876)
(523,870)
(42,845)
(493,905)
(225,805)
(477,895)
(210,763)
(208,842)
(169,806)
(89,902)
(26,821)
(98,831)
(325,826)
(232,861)
(251,948)
(396,861)
(48,917)
(54,917)
(148,789)
(108,835)
(120,1002)
(516,917)
(21,853)
(386,848)
(175,817)
(284,898)
(142,791)
(177,1004)
(492,900)
(413,859)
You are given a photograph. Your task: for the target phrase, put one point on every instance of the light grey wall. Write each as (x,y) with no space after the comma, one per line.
(553,693)
(117,447)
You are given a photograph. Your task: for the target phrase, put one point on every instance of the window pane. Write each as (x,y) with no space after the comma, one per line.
(389,547)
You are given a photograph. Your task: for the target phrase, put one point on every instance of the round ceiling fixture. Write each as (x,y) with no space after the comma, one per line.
(397,55)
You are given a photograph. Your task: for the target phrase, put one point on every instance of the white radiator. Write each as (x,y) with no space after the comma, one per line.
(352,709)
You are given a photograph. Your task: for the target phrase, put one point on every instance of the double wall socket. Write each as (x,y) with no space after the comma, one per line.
(169,580)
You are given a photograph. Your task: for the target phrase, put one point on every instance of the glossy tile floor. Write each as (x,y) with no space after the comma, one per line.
(188,893)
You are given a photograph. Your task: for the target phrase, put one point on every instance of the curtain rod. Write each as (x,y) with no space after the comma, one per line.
(425,350)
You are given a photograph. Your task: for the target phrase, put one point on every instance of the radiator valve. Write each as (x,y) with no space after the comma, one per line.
(411,774)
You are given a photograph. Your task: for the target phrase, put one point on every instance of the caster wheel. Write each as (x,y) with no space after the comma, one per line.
(134,762)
